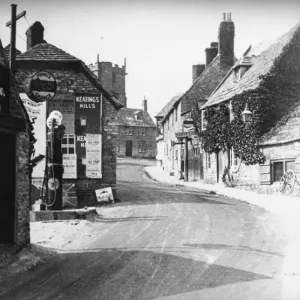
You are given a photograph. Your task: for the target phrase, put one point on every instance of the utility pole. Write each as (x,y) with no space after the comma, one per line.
(13,26)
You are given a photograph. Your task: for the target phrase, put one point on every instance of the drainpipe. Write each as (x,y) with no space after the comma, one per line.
(186,159)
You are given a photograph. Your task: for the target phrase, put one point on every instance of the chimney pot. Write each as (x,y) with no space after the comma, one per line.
(144,105)
(224,16)
(229,17)
(197,71)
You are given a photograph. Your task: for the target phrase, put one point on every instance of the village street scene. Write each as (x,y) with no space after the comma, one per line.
(150,150)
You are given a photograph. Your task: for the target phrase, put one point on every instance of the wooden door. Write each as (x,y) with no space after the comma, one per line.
(128,151)
(7,187)
(220,165)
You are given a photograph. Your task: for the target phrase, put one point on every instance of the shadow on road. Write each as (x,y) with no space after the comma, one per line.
(127,219)
(113,274)
(228,247)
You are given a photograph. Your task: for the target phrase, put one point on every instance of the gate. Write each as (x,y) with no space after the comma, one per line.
(7,187)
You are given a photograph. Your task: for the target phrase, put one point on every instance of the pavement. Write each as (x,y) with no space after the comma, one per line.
(287,207)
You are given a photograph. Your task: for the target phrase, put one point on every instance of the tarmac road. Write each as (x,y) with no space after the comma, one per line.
(164,242)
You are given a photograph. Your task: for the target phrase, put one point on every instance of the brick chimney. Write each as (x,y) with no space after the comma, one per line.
(35,34)
(144,105)
(211,52)
(197,71)
(226,40)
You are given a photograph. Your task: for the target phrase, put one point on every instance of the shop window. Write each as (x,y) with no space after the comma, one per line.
(142,131)
(128,130)
(142,146)
(280,167)
(68,144)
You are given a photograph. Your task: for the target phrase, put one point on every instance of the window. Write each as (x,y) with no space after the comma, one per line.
(142,131)
(138,116)
(173,117)
(176,154)
(128,130)
(203,120)
(231,117)
(233,158)
(208,161)
(280,167)
(68,144)
(142,146)
(176,111)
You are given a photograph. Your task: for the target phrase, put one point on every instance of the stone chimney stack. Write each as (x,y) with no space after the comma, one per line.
(197,71)
(35,34)
(211,53)
(144,105)
(226,40)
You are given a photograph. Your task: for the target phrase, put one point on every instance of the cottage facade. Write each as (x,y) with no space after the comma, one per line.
(15,152)
(136,134)
(266,78)
(88,109)
(182,152)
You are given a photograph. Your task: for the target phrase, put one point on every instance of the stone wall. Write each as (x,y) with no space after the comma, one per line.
(150,140)
(70,82)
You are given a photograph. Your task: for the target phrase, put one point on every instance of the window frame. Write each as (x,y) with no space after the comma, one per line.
(283,161)
(67,145)
(128,130)
(142,147)
(208,160)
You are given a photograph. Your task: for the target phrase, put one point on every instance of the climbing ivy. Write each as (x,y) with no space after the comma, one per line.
(278,91)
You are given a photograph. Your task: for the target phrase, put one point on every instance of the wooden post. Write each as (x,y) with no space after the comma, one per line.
(186,176)
(13,35)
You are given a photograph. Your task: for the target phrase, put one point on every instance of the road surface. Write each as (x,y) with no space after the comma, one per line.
(164,242)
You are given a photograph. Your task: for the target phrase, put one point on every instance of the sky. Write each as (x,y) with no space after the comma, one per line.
(161,39)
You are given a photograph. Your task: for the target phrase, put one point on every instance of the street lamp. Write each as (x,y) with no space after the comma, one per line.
(247,115)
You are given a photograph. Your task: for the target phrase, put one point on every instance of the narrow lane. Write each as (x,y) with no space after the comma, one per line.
(164,242)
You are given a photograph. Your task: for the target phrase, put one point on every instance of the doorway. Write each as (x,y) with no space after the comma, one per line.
(7,187)
(220,165)
(128,150)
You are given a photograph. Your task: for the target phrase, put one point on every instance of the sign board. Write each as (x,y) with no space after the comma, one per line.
(88,135)
(70,163)
(185,134)
(104,195)
(41,86)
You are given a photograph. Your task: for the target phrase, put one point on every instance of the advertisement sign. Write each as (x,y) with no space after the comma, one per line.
(69,163)
(41,86)
(93,155)
(104,195)
(88,135)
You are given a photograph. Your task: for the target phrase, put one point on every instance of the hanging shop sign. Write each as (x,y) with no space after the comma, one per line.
(41,86)
(88,135)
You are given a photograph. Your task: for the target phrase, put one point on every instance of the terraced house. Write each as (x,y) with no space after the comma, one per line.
(265,84)
(182,153)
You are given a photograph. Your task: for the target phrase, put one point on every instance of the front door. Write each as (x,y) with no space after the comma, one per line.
(7,187)
(128,151)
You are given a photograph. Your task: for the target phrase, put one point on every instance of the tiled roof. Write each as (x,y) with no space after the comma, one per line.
(166,109)
(46,52)
(7,51)
(262,62)
(127,117)
(205,84)
(286,130)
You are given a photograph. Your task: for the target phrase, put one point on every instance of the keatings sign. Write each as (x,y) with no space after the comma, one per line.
(41,86)
(88,108)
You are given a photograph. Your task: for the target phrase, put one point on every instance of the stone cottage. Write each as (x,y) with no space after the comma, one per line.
(15,152)
(136,131)
(50,79)
(266,82)
(181,145)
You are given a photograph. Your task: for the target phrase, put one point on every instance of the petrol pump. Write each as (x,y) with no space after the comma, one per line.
(54,163)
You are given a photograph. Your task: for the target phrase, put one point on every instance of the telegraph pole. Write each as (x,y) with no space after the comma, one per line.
(13,30)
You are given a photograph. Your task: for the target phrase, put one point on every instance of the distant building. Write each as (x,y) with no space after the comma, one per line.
(136,129)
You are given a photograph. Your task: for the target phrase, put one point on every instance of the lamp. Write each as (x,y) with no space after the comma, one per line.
(247,115)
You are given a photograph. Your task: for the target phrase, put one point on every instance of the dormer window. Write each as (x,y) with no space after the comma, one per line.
(138,116)
(241,68)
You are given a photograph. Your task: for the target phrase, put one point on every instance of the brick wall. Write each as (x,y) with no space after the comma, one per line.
(70,82)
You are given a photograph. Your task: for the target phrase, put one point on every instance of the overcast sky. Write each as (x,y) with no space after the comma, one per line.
(160,39)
